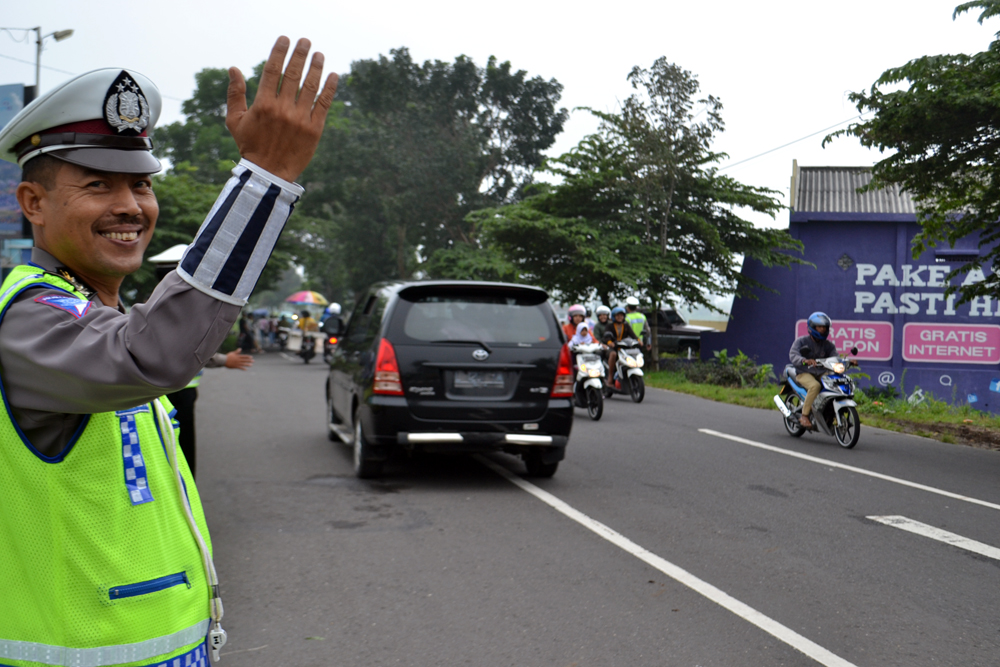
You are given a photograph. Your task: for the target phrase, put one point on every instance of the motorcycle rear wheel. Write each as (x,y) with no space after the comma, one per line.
(850,427)
(792,425)
(595,403)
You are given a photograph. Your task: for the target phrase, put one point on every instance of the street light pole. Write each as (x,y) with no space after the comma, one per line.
(59,36)
(38,61)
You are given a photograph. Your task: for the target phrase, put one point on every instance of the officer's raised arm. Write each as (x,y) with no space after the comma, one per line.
(87,191)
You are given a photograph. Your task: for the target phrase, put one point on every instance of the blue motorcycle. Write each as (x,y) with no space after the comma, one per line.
(834,410)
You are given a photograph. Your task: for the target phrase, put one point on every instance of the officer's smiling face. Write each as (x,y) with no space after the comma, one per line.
(96,223)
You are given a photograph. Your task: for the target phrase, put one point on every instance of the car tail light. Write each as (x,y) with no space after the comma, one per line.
(387,380)
(563,386)
(333,340)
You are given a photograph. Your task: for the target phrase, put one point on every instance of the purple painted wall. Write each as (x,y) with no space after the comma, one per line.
(891,306)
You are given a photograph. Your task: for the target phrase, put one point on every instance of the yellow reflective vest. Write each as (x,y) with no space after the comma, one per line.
(97,563)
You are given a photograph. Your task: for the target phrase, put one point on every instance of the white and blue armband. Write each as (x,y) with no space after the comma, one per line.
(237,238)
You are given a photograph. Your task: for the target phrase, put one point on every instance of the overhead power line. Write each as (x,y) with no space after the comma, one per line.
(62,71)
(808,136)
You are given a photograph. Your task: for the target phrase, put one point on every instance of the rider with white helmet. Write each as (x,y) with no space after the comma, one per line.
(638,321)
(603,319)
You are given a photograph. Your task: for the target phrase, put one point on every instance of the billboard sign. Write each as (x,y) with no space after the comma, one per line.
(873,339)
(928,342)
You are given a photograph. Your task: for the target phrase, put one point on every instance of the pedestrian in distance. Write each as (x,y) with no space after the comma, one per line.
(104,548)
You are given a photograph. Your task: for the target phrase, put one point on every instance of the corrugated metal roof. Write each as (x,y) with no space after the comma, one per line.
(834,190)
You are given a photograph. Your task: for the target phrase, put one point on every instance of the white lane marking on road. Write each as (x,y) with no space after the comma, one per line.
(860,471)
(747,613)
(918,528)
(285,356)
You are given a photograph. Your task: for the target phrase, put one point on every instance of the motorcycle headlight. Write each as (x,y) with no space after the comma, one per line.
(838,368)
(640,362)
(630,361)
(594,372)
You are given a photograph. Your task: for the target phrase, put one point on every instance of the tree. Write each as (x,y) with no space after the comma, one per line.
(641,207)
(938,117)
(412,149)
(202,140)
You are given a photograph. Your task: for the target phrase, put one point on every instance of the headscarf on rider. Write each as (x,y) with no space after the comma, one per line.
(582,335)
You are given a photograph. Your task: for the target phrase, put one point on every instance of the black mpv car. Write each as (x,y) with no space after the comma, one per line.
(458,366)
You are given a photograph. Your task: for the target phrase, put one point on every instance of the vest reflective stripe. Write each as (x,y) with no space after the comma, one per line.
(637,320)
(196,380)
(103,655)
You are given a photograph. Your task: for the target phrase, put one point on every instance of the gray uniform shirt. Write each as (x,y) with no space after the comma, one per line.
(56,368)
(819,349)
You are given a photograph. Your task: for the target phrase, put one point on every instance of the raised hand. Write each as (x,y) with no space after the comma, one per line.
(282,128)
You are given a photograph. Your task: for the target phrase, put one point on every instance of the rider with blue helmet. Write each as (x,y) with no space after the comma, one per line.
(617,330)
(804,353)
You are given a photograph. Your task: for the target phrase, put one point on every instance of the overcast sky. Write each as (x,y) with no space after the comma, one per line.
(781,69)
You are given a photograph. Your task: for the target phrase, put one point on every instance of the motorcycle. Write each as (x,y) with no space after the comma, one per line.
(590,372)
(304,343)
(282,338)
(834,410)
(628,371)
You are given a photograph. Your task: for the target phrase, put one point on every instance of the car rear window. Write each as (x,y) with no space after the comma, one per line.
(492,317)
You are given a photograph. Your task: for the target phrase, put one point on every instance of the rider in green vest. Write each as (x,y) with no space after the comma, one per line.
(105,556)
(638,321)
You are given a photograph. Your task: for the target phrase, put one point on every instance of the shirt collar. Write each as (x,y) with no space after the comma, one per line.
(47,262)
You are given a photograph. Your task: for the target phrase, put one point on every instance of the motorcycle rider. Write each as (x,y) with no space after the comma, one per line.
(576,315)
(602,323)
(804,353)
(306,322)
(638,322)
(617,331)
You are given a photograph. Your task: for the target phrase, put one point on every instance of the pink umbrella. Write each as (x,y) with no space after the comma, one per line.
(308,297)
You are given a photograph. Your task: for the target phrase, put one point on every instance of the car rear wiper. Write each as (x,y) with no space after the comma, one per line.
(466,342)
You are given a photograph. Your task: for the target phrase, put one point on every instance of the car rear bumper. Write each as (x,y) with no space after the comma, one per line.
(390,422)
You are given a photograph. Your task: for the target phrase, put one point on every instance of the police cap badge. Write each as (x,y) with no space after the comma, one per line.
(99,120)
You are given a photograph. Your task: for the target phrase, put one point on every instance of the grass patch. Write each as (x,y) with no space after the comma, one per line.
(751,397)
(930,418)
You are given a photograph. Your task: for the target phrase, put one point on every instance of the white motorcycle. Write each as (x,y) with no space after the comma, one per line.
(628,371)
(590,372)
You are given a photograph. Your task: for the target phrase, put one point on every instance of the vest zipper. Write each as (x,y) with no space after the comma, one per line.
(146,587)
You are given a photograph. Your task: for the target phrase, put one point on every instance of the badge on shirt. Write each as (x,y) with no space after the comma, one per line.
(72,305)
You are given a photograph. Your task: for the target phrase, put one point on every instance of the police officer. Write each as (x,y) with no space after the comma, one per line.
(104,551)
(184,399)
(638,321)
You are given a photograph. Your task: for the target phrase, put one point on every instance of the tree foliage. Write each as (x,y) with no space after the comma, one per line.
(201,141)
(938,117)
(412,149)
(641,206)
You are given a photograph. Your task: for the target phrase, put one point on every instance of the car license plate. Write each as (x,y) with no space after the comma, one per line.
(478,380)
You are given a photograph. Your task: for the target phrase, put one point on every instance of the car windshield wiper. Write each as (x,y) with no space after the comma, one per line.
(466,342)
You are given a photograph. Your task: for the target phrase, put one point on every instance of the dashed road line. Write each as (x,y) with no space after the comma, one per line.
(723,599)
(860,471)
(938,534)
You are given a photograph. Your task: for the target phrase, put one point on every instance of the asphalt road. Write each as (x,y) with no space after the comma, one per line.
(670,546)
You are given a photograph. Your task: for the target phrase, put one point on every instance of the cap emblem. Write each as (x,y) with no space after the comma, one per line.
(125,107)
